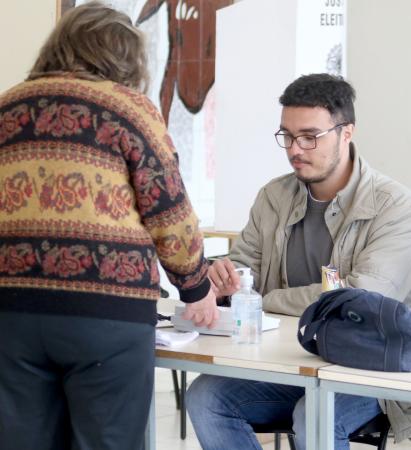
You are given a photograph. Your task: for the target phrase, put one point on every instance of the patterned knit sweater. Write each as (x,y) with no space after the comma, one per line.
(90,196)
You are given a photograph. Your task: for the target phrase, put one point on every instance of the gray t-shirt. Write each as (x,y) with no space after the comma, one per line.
(310,246)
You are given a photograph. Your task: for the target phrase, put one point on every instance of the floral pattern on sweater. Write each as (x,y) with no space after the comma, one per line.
(91,195)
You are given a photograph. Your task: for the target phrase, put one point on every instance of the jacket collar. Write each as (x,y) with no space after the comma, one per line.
(357,199)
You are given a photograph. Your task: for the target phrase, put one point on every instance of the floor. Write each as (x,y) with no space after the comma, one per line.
(168,418)
(168,421)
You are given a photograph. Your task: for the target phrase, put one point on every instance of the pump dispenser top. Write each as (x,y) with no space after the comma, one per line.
(247,280)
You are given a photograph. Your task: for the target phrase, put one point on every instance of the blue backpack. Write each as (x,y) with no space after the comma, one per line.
(360,329)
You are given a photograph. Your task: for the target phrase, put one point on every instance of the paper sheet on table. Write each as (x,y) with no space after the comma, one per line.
(170,339)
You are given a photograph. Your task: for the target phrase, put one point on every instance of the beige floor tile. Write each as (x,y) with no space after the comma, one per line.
(165,411)
(190,441)
(167,431)
(390,446)
(173,419)
(166,399)
(176,445)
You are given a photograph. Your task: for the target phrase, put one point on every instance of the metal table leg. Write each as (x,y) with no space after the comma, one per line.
(326,419)
(312,414)
(183,413)
(176,388)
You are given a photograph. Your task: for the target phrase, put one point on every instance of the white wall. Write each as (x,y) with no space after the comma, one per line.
(24,25)
(379,67)
(247,109)
(262,45)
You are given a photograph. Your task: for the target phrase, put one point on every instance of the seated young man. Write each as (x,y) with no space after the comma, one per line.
(333,209)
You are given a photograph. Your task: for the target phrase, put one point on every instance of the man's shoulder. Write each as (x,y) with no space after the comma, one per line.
(385,187)
(281,189)
(283,184)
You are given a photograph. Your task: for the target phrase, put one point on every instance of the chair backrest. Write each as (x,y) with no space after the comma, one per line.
(374,432)
(366,434)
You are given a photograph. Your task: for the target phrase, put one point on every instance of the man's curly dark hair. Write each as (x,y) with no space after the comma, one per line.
(321,89)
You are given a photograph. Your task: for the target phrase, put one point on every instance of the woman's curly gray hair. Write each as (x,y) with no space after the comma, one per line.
(95,42)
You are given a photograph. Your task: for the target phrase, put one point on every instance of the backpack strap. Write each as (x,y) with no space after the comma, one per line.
(393,350)
(307,341)
(315,315)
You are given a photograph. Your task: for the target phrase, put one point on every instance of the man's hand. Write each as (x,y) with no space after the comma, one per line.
(203,312)
(224,279)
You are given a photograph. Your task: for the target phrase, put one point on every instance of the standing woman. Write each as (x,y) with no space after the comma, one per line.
(90,196)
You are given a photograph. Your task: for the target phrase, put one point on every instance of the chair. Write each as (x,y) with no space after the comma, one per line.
(374,432)
(366,434)
(277,428)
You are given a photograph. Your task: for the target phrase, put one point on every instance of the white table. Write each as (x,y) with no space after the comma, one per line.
(230,235)
(387,385)
(278,359)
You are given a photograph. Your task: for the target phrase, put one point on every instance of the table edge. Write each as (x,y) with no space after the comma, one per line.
(184,356)
(228,362)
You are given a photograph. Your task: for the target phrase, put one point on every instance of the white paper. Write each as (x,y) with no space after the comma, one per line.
(171,339)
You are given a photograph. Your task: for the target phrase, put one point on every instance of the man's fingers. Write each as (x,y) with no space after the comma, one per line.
(223,291)
(216,271)
(234,277)
(219,273)
(224,277)
(222,273)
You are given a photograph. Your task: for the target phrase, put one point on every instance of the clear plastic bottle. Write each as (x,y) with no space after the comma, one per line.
(246,312)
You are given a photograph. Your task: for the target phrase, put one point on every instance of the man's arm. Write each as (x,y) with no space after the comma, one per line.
(383,266)
(246,252)
(291,301)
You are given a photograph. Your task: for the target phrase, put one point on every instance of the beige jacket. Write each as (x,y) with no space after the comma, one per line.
(370,224)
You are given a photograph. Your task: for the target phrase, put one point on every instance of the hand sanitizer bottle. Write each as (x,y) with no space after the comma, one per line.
(246,312)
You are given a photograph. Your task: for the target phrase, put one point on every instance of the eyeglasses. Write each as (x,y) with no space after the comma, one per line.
(305,142)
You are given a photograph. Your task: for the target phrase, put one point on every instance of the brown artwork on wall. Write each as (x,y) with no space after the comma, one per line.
(191,59)
(63,6)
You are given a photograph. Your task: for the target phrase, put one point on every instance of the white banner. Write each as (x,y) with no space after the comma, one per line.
(321,37)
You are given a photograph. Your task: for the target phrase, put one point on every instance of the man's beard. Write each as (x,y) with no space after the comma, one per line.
(330,170)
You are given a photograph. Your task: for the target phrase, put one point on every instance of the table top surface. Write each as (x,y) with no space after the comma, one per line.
(279,350)
(393,380)
(211,232)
